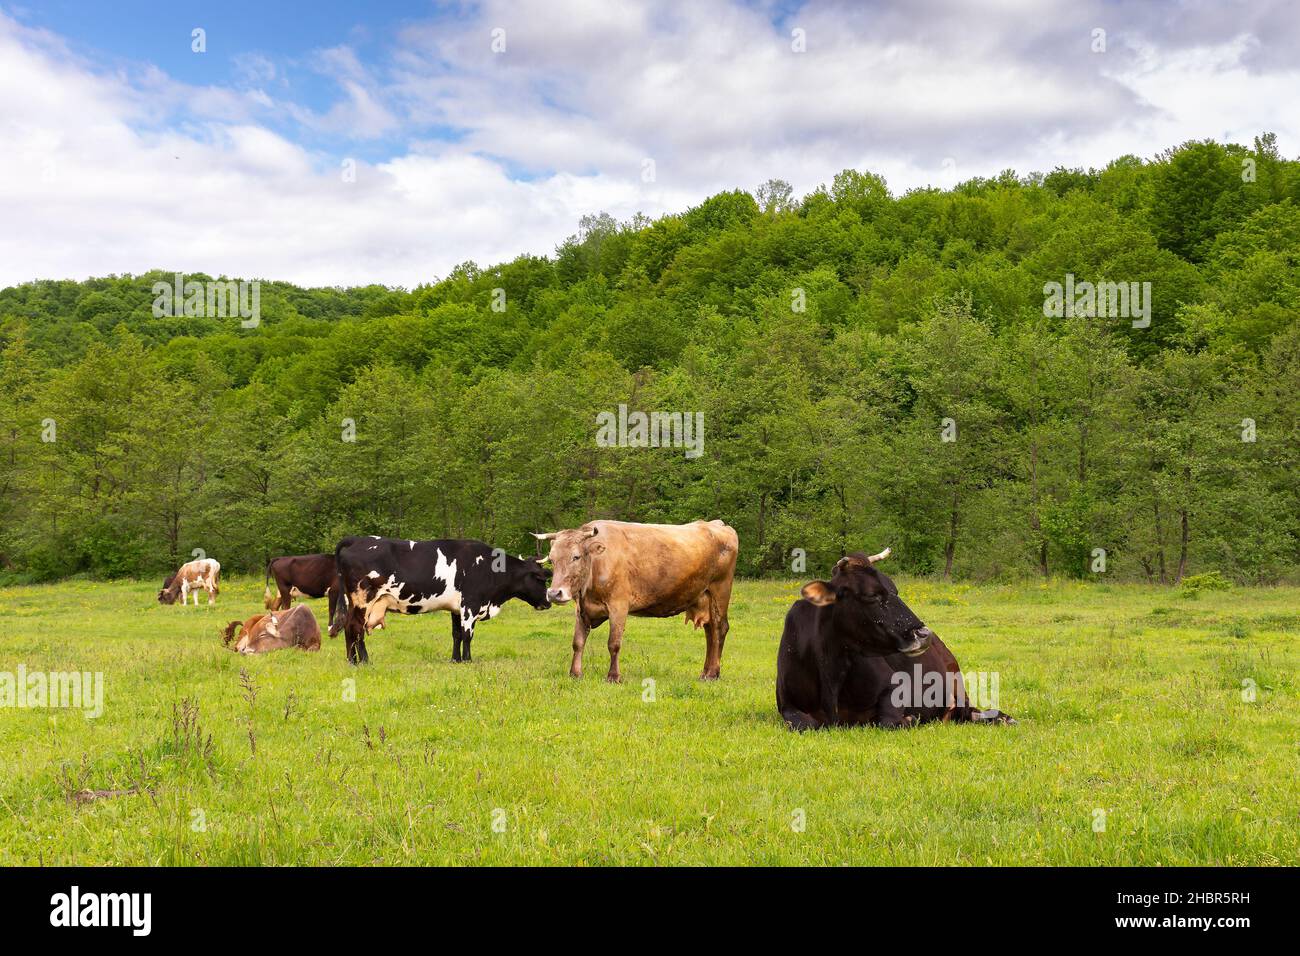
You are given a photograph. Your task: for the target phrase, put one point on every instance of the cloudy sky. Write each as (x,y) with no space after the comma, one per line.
(342,143)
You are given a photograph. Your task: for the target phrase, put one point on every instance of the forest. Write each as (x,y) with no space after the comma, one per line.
(868,370)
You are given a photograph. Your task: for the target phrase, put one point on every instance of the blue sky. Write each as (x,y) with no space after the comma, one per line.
(338,143)
(159,33)
(241,36)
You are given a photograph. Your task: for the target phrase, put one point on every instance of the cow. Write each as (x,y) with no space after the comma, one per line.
(261,633)
(853,654)
(611,569)
(302,575)
(468,578)
(193,576)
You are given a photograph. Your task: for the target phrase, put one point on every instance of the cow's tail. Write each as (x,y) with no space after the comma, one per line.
(341,606)
(340,620)
(228,634)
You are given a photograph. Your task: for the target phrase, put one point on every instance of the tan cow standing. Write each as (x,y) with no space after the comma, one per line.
(202,574)
(611,569)
(261,633)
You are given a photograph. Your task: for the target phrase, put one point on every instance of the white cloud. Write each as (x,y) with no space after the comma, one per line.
(104,172)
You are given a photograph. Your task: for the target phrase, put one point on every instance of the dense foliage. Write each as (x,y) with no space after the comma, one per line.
(832,345)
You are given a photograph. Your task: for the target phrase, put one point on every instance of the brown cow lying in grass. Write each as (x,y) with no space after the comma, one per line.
(261,633)
(853,654)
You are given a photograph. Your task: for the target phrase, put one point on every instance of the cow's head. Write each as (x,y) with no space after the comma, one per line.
(572,554)
(241,632)
(529,583)
(867,611)
(170,591)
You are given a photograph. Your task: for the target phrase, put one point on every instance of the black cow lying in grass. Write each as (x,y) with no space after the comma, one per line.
(853,654)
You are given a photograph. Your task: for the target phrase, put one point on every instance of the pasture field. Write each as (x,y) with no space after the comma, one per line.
(1130,701)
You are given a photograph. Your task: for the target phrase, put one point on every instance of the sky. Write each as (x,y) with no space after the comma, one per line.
(338,143)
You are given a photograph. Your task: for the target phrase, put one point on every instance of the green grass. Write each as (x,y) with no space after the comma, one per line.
(1129,700)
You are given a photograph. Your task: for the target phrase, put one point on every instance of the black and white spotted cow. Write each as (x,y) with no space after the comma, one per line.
(468,578)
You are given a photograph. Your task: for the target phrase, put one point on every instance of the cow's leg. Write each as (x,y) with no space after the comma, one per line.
(455,637)
(581,628)
(797,719)
(212,596)
(466,635)
(715,635)
(617,619)
(332,595)
(715,632)
(342,608)
(354,629)
(362,656)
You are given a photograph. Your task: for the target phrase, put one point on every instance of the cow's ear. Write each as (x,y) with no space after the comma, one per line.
(819,593)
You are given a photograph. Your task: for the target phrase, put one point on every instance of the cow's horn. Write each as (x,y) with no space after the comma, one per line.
(548,536)
(592,532)
(881,556)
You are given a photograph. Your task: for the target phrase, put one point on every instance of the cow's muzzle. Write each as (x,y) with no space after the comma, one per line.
(919,644)
(558,596)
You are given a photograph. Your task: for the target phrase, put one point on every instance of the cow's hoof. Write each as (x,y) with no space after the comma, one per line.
(613,678)
(707,676)
(575,675)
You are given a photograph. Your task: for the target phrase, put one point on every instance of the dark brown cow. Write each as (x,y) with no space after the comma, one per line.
(854,654)
(261,633)
(302,575)
(611,569)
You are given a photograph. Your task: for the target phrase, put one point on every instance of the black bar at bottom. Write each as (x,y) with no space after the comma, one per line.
(333,906)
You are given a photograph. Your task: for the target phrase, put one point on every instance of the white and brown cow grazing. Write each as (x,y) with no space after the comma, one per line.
(261,633)
(202,574)
(611,569)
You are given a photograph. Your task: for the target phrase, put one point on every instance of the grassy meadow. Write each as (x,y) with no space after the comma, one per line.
(1129,700)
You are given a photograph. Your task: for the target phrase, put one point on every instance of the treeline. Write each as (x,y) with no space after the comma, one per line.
(872,370)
